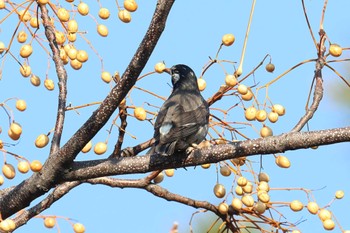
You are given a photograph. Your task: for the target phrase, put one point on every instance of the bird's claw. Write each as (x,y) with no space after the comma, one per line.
(195,146)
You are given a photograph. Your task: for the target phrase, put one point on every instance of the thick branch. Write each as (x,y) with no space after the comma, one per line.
(142,164)
(40,183)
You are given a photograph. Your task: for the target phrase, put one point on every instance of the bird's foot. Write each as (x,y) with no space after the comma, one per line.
(191,148)
(195,146)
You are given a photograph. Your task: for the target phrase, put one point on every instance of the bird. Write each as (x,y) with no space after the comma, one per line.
(183,119)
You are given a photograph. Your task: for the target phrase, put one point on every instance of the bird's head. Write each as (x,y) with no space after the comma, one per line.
(183,78)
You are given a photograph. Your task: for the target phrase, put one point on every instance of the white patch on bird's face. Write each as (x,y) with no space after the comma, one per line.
(165,128)
(175,77)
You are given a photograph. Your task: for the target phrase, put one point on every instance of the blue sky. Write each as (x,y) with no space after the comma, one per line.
(193,33)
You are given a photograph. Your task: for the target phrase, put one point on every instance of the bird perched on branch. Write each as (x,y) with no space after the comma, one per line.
(183,119)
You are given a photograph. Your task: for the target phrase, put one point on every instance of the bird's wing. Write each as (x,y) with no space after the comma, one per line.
(178,123)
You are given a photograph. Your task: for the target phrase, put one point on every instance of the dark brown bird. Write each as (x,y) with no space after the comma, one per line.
(183,118)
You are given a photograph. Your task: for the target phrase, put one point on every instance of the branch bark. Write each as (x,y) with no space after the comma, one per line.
(40,183)
(142,164)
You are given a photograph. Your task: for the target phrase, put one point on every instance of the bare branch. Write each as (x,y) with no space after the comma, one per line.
(54,196)
(62,78)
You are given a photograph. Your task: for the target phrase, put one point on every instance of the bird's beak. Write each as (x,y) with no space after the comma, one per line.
(167,70)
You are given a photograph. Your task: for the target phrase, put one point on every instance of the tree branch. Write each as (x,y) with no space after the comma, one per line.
(142,164)
(40,183)
(56,194)
(62,78)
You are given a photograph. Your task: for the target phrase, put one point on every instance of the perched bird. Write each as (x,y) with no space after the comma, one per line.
(183,119)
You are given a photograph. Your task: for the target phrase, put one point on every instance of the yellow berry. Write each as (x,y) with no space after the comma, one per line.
(87,147)
(228,39)
(124,16)
(2,47)
(36,166)
(248,96)
(159,67)
(242,89)
(223,208)
(237,203)
(41,141)
(159,178)
(169,172)
(34,22)
(250,113)
(49,84)
(82,56)
(75,64)
(2,4)
(21,105)
(140,113)
(23,166)
(100,148)
(263,196)
(83,8)
(296,205)
(248,200)
(263,186)
(266,131)
(335,50)
(60,37)
(72,53)
(219,190)
(22,37)
(24,15)
(202,84)
(242,181)
(72,37)
(102,30)
(279,109)
(104,13)
(328,224)
(63,14)
(106,76)
(78,228)
(282,161)
(248,188)
(49,222)
(72,26)
(230,80)
(273,117)
(130,5)
(16,129)
(35,80)
(239,190)
(324,214)
(261,115)
(9,171)
(43,2)
(339,194)
(312,207)
(26,50)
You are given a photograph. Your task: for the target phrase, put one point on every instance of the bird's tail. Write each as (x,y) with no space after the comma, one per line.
(162,149)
